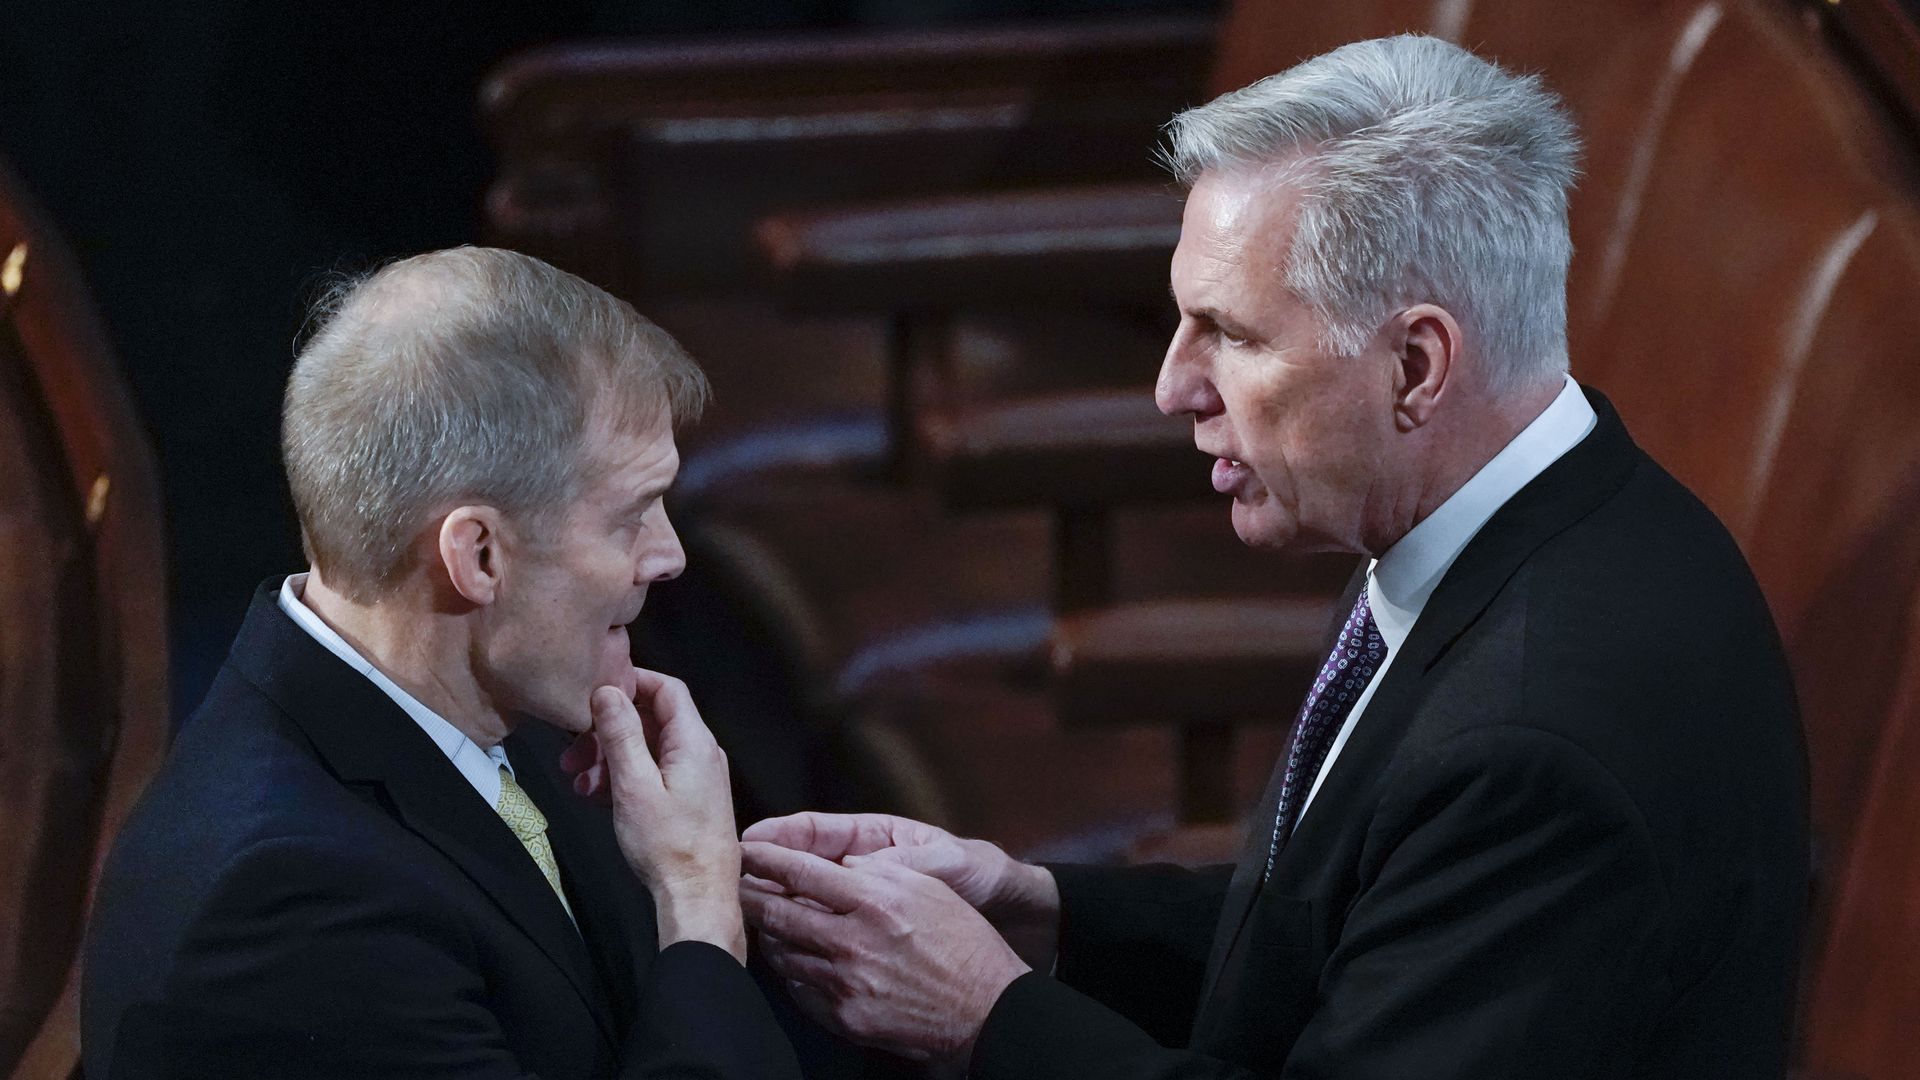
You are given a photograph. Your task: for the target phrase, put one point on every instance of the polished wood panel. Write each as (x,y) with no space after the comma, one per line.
(82,644)
(1862,1000)
(644,165)
(1106,244)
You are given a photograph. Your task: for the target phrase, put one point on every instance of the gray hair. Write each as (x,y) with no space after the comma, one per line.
(1426,175)
(467,375)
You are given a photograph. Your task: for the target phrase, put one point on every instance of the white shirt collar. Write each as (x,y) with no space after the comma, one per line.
(1402,579)
(481,767)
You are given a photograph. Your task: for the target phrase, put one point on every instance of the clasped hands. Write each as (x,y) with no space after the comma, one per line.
(891,932)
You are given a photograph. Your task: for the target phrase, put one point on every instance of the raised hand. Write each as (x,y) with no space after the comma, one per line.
(673,814)
(583,761)
(1020,901)
(882,954)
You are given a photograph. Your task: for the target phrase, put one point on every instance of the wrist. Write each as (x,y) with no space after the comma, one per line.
(695,912)
(1028,915)
(989,990)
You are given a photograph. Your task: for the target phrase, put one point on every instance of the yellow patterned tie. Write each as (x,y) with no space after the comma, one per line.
(530,825)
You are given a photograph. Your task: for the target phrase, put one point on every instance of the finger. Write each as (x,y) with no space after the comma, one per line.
(832,836)
(748,881)
(806,874)
(944,861)
(583,760)
(796,964)
(816,1006)
(623,745)
(797,924)
(669,703)
(581,754)
(895,873)
(593,781)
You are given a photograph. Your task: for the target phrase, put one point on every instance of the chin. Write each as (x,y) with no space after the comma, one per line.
(1257,528)
(573,723)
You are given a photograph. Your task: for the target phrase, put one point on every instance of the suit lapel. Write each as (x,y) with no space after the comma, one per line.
(1245,884)
(471,834)
(1566,491)
(364,737)
(615,913)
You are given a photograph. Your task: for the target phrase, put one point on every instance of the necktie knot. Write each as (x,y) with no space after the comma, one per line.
(518,811)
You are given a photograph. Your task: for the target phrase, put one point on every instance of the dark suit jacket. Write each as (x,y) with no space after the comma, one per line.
(310,888)
(1567,838)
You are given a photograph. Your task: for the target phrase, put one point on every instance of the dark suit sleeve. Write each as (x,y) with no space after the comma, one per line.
(702,1015)
(1136,938)
(1511,923)
(311,962)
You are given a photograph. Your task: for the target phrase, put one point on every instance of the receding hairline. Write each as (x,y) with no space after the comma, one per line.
(408,288)
(461,377)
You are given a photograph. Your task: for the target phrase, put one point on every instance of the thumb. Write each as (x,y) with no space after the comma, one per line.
(943,861)
(623,741)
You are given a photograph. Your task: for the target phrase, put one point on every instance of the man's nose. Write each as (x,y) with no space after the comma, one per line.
(664,559)
(1183,386)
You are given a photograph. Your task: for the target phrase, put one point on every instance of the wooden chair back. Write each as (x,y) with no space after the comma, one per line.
(82,641)
(1747,244)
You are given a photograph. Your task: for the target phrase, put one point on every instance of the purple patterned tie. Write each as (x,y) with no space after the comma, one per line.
(1356,656)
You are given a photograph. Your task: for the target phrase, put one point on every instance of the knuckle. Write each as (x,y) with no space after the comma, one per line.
(858,983)
(773,920)
(891,919)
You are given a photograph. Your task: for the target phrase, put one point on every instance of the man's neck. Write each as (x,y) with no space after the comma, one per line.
(1452,457)
(412,649)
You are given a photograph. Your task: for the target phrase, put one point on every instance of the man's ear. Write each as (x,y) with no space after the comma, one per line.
(1426,342)
(471,551)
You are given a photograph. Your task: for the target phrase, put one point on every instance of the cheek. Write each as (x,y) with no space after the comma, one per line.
(1306,431)
(1274,428)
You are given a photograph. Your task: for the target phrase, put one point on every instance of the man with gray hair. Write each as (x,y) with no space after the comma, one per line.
(1543,812)
(362,857)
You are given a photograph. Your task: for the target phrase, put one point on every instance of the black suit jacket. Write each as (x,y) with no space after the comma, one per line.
(1567,838)
(310,888)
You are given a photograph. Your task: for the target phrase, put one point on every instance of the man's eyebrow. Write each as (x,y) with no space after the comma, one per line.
(1209,313)
(649,493)
(1220,319)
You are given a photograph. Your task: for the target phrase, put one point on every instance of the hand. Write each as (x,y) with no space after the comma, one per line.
(1020,901)
(673,817)
(879,953)
(583,761)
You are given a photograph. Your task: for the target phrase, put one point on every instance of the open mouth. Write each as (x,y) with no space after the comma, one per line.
(1229,474)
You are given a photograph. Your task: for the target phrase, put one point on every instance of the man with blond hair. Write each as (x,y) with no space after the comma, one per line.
(1543,813)
(362,857)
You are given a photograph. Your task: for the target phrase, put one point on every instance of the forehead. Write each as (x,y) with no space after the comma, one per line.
(1236,229)
(629,461)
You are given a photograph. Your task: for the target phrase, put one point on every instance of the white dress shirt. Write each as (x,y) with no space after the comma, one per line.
(481,767)
(1400,581)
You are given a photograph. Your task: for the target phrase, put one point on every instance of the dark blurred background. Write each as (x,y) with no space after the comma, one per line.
(213,161)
